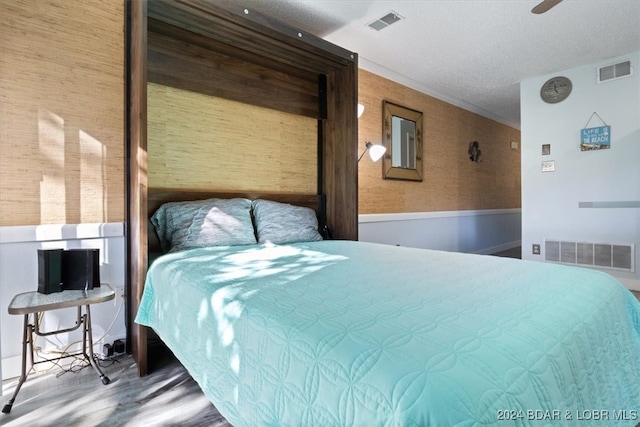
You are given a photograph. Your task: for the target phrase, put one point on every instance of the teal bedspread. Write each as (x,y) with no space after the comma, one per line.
(338,333)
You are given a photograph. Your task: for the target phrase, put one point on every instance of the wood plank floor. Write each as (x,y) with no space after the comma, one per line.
(510,253)
(167,397)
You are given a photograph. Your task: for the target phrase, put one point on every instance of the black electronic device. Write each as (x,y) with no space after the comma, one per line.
(49,270)
(118,346)
(80,269)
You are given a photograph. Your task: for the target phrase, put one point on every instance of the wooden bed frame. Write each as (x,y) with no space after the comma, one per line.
(190,44)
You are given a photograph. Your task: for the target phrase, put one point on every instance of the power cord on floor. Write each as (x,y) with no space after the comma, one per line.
(74,367)
(64,353)
(80,363)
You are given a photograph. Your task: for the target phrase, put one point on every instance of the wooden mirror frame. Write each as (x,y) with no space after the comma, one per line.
(389,171)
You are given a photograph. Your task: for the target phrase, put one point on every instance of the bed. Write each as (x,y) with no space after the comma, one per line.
(221,48)
(327,332)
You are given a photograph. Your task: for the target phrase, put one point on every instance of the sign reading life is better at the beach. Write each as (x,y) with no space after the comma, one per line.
(595,138)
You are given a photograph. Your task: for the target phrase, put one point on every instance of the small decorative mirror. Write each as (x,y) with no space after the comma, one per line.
(402,137)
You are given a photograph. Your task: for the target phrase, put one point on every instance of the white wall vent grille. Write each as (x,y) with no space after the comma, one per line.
(598,255)
(385,21)
(614,71)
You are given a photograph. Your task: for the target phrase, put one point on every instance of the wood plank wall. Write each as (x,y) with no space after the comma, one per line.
(451,181)
(61,112)
(197,141)
(182,59)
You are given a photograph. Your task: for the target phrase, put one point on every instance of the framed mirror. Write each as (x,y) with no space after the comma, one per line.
(402,137)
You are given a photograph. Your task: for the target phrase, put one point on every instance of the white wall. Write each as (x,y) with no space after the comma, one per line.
(481,231)
(19,273)
(550,200)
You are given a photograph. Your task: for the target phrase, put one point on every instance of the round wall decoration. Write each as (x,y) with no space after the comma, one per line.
(555,89)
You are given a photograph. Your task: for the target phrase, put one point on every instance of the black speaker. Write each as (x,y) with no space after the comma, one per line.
(80,269)
(49,270)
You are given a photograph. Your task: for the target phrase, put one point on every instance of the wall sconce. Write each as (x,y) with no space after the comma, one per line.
(360,110)
(376,151)
(475,153)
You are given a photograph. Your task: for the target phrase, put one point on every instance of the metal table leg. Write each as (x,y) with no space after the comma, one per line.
(35,303)
(87,330)
(26,337)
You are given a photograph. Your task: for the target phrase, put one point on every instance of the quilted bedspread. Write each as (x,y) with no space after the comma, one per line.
(338,333)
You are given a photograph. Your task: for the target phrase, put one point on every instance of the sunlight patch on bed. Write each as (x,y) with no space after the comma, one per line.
(249,272)
(202,313)
(234,363)
(227,310)
(230,277)
(272,260)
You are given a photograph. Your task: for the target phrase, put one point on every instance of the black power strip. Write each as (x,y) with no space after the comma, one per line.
(118,347)
(107,350)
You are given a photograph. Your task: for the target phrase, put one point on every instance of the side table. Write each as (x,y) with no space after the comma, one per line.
(34,303)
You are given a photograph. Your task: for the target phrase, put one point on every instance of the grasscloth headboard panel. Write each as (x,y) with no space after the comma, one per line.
(201,141)
(216,48)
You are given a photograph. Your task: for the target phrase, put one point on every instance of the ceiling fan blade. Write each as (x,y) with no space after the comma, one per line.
(544,6)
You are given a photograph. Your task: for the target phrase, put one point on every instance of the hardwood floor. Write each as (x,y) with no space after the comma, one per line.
(510,253)
(167,397)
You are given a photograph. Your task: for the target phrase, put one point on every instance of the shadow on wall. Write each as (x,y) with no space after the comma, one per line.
(73,183)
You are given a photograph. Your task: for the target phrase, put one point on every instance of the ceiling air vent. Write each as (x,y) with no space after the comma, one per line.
(385,21)
(615,71)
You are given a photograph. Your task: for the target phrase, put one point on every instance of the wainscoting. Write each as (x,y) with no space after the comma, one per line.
(476,231)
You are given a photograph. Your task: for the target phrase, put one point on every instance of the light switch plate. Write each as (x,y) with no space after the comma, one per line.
(549,166)
(514,145)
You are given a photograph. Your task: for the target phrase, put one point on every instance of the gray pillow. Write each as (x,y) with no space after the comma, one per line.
(200,223)
(284,223)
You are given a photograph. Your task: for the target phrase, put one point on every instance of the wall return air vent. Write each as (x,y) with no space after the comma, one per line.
(599,255)
(614,71)
(385,21)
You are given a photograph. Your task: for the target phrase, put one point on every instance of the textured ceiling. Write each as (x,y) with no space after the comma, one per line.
(471,53)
